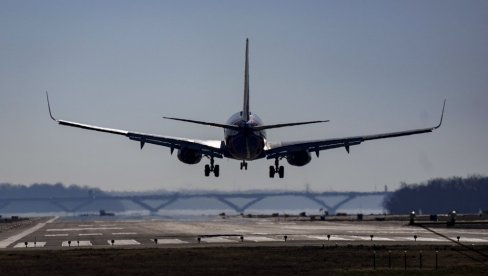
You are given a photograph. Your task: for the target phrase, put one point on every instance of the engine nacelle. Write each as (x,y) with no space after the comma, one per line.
(189,156)
(299,158)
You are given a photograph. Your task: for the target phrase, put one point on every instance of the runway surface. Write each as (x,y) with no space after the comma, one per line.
(95,232)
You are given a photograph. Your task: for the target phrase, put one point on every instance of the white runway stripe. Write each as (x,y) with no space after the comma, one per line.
(216,239)
(30,244)
(90,234)
(382,239)
(82,229)
(77,243)
(423,239)
(470,240)
(125,233)
(332,238)
(14,238)
(56,235)
(259,239)
(123,242)
(169,241)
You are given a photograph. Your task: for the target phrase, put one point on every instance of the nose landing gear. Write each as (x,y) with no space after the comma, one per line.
(244,165)
(212,168)
(280,170)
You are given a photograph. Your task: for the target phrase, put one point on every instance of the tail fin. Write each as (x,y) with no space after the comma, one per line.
(245,108)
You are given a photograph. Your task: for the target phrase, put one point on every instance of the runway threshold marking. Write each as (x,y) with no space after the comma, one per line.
(123,242)
(169,241)
(30,244)
(332,238)
(259,239)
(56,235)
(216,240)
(472,240)
(82,229)
(76,243)
(8,241)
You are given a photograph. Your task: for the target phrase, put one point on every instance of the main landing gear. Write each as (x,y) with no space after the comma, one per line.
(243,165)
(280,170)
(212,168)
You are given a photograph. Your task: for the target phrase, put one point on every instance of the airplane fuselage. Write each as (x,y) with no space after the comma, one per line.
(245,143)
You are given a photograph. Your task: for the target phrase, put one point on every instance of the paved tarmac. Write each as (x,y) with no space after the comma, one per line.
(96,232)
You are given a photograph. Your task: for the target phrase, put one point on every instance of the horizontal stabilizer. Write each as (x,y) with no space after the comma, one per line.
(204,123)
(287,125)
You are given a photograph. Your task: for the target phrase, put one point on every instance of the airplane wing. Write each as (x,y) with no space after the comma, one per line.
(282,149)
(211,148)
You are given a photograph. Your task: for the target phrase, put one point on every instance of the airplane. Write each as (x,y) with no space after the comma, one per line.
(245,139)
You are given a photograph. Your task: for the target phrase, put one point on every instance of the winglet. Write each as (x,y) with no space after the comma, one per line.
(442,115)
(49,107)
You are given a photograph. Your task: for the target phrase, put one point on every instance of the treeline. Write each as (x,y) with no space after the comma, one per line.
(44,190)
(29,194)
(440,196)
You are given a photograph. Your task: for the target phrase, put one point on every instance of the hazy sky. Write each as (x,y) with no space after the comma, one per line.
(368,66)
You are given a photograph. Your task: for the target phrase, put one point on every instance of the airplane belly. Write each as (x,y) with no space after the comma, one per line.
(245,147)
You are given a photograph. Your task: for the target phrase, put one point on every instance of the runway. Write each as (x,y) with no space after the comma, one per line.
(95,232)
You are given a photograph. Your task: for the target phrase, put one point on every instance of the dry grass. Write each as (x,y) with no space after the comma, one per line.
(244,261)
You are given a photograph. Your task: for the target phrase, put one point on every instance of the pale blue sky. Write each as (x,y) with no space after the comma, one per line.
(368,66)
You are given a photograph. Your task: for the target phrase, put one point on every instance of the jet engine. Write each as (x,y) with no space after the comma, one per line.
(189,156)
(299,158)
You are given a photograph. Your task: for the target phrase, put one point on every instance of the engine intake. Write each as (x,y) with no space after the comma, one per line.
(189,156)
(299,158)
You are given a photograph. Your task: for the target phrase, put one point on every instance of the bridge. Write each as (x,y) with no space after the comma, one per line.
(76,204)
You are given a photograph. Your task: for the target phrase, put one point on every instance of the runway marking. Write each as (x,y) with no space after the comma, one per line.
(77,243)
(14,238)
(421,239)
(125,233)
(30,245)
(123,242)
(56,235)
(86,225)
(471,240)
(216,239)
(169,241)
(382,239)
(82,229)
(332,238)
(259,239)
(90,234)
(361,238)
(108,225)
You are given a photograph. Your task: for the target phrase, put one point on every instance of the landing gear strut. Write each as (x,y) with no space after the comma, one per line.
(277,169)
(244,165)
(212,168)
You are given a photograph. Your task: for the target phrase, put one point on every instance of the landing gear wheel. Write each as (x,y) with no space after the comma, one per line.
(271,172)
(212,168)
(281,172)
(207,170)
(244,165)
(216,170)
(277,169)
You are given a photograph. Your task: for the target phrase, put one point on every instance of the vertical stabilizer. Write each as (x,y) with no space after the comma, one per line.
(245,109)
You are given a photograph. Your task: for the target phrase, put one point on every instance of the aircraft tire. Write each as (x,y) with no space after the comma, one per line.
(216,170)
(281,172)
(207,170)
(271,172)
